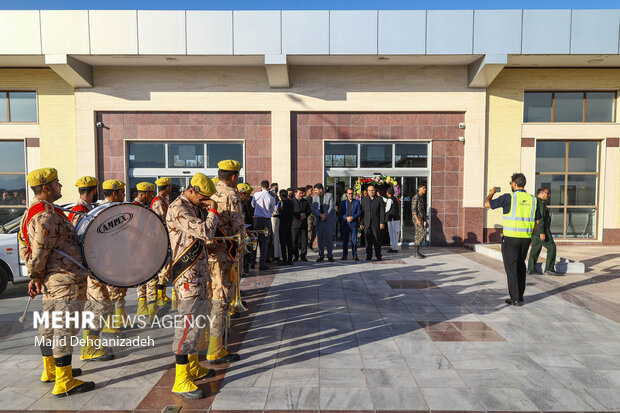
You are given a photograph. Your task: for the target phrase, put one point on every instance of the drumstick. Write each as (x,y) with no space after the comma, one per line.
(23,318)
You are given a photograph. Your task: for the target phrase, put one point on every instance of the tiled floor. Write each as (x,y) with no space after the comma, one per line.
(405,335)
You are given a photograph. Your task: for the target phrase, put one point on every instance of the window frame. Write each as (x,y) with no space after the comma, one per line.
(584,115)
(24,173)
(8,106)
(176,172)
(359,154)
(566,174)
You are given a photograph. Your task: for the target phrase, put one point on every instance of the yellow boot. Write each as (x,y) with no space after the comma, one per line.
(49,370)
(117,322)
(174,301)
(196,371)
(66,385)
(183,384)
(92,350)
(152,310)
(162,299)
(125,318)
(142,308)
(217,353)
(109,326)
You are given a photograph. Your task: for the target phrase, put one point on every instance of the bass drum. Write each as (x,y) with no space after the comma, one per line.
(123,244)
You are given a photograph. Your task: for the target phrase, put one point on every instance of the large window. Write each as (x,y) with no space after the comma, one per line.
(376,155)
(18,106)
(569,106)
(12,180)
(178,160)
(570,169)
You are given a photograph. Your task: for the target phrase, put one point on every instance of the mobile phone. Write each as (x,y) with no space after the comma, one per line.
(498,189)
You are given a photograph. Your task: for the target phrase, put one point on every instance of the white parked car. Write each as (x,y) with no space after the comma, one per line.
(12,268)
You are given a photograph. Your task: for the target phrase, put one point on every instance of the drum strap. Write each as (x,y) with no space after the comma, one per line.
(229,247)
(78,208)
(163,201)
(187,259)
(32,212)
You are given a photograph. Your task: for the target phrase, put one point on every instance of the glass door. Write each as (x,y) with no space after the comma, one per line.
(409,189)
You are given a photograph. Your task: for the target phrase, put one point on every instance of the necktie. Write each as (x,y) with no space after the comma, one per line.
(349,208)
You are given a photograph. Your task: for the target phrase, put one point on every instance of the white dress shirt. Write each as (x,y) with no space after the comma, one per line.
(264,204)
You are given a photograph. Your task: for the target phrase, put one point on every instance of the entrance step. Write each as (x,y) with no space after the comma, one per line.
(562,265)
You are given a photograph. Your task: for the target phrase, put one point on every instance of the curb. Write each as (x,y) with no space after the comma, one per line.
(562,265)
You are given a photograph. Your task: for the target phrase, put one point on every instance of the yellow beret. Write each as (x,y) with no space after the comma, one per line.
(145,187)
(215,180)
(163,181)
(244,188)
(229,165)
(113,184)
(86,182)
(42,176)
(203,185)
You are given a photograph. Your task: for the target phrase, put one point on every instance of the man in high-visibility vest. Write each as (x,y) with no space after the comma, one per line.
(521,218)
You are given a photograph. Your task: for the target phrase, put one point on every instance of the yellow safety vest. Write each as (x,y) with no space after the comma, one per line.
(519,222)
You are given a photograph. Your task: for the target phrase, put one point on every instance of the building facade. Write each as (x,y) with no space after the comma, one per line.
(458,100)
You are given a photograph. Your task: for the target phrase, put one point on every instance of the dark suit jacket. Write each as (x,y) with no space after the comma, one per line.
(299,207)
(371,219)
(286,213)
(328,208)
(356,212)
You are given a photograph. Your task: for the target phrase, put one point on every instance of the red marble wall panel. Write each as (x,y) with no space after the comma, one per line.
(254,128)
(310,130)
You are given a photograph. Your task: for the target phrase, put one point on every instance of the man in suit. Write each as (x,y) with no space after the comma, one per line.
(373,217)
(301,212)
(286,223)
(350,211)
(325,217)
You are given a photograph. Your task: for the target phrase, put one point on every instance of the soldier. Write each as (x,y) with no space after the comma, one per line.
(114,191)
(49,247)
(147,296)
(159,205)
(222,256)
(189,231)
(311,227)
(420,221)
(98,298)
(245,192)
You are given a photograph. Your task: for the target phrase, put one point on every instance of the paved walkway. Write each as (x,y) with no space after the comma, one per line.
(399,335)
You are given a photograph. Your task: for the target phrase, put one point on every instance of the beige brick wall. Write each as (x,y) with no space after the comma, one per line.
(314,88)
(56,123)
(505,128)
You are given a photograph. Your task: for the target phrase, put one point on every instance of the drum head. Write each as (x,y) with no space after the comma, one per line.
(123,244)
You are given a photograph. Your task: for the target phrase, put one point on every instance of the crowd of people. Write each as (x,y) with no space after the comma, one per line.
(296,217)
(201,223)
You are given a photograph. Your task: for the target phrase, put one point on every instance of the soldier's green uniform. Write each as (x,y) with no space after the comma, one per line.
(544,227)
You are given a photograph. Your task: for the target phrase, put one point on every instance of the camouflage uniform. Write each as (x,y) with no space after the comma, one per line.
(99,302)
(49,233)
(117,294)
(147,290)
(221,289)
(186,223)
(159,205)
(311,227)
(418,207)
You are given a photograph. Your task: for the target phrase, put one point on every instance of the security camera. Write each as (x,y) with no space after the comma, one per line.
(99,124)
(462,138)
